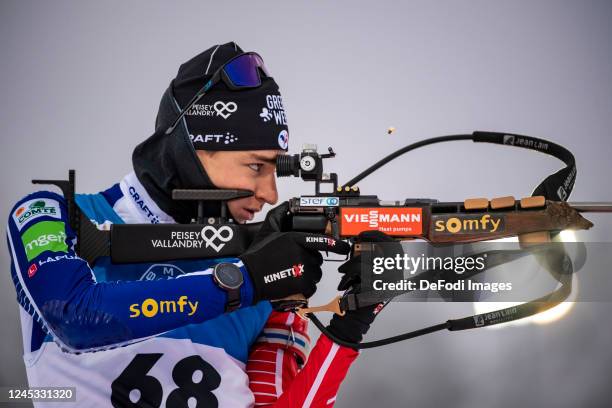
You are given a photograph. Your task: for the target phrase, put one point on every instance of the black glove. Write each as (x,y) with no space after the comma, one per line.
(288,263)
(351,270)
(277,220)
(355,323)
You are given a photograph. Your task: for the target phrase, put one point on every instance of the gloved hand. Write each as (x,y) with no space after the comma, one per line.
(351,270)
(277,220)
(355,323)
(288,263)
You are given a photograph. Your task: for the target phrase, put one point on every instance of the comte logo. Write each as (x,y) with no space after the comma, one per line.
(400,221)
(33,209)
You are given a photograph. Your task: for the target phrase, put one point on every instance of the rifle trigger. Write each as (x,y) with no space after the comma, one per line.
(333,306)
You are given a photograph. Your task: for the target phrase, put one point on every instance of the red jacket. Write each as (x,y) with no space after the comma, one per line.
(274,363)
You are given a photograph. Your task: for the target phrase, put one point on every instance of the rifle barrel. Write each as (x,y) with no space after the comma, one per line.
(592,206)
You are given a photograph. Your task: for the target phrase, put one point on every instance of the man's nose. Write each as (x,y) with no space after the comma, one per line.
(266,190)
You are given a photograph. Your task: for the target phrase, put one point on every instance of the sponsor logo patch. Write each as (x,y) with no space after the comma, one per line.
(162,271)
(219,108)
(306,201)
(522,141)
(496,317)
(51,259)
(400,221)
(44,236)
(32,270)
(283,139)
(151,307)
(225,109)
(32,209)
(227,138)
(139,201)
(322,240)
(467,224)
(265,114)
(274,109)
(293,272)
(209,236)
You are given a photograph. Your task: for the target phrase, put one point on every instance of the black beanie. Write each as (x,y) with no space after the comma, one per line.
(225,119)
(164,162)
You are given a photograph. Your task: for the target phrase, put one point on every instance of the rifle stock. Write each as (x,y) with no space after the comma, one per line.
(472,220)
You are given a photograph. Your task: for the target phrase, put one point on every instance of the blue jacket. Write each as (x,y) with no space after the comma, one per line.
(97,307)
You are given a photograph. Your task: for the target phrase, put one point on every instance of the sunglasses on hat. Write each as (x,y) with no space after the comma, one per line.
(241,72)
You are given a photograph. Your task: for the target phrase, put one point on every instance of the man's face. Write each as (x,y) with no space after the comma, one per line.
(253,170)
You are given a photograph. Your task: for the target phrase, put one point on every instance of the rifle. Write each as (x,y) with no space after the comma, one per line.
(344,213)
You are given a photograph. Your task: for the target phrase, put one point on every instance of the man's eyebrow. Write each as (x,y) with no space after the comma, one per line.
(271,160)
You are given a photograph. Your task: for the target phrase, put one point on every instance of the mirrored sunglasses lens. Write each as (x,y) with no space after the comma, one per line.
(242,71)
(261,64)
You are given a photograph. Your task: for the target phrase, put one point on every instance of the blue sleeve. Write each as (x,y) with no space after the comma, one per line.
(59,289)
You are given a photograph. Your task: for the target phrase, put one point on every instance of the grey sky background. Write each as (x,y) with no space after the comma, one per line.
(81,82)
